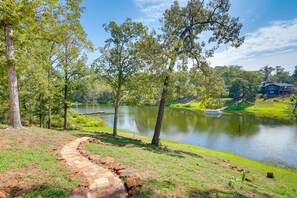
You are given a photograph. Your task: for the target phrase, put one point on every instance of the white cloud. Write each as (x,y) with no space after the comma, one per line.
(271,45)
(152,10)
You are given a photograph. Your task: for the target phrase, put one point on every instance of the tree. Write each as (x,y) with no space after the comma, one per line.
(294,76)
(213,88)
(119,61)
(281,75)
(179,41)
(73,67)
(238,88)
(266,72)
(71,63)
(24,22)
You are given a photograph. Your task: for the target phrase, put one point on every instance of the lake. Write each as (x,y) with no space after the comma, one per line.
(261,139)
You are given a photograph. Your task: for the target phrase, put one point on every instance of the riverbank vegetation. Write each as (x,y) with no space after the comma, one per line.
(171,170)
(277,107)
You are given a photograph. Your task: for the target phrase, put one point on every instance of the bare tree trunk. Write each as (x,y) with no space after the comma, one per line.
(40,111)
(14,109)
(116,111)
(49,113)
(66,106)
(157,132)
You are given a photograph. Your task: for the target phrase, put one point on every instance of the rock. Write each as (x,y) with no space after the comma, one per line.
(121,171)
(76,170)
(137,194)
(107,160)
(127,173)
(2,194)
(133,182)
(270,175)
(118,167)
(134,192)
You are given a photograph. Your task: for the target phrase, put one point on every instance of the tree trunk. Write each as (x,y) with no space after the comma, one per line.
(66,106)
(40,111)
(116,110)
(14,109)
(157,132)
(49,113)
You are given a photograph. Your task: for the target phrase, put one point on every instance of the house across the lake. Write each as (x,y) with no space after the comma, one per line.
(276,88)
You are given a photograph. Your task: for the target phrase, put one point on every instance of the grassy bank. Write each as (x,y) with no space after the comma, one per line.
(276,107)
(180,170)
(280,108)
(29,166)
(191,105)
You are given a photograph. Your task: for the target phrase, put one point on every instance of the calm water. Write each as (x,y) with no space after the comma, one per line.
(260,139)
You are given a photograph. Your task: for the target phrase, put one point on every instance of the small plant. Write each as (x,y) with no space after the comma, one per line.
(231,183)
(243,177)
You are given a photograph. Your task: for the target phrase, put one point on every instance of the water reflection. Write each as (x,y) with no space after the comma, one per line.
(184,121)
(244,134)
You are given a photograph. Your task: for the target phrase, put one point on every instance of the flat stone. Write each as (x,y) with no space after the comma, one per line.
(2,194)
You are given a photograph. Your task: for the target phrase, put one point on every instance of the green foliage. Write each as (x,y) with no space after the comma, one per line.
(119,60)
(266,72)
(239,106)
(238,87)
(77,120)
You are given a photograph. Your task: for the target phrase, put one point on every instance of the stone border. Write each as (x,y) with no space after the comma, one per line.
(133,183)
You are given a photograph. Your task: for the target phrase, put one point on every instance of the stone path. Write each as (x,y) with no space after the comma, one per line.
(102,182)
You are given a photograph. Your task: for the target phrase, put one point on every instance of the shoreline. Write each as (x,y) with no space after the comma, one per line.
(273,163)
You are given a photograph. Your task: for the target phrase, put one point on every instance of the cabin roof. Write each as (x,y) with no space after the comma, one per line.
(278,84)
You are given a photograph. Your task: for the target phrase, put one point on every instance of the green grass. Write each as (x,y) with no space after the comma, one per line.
(191,105)
(180,170)
(29,164)
(104,129)
(174,170)
(46,191)
(274,107)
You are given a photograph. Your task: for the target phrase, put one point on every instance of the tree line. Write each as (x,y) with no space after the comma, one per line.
(44,62)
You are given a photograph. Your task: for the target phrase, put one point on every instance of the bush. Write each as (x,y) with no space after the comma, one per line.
(77,121)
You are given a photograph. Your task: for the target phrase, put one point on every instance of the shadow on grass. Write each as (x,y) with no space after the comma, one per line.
(149,192)
(37,191)
(219,193)
(124,141)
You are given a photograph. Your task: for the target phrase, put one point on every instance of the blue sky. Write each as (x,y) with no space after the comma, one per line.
(270,28)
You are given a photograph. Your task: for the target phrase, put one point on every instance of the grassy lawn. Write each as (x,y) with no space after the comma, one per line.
(29,165)
(274,107)
(180,170)
(191,105)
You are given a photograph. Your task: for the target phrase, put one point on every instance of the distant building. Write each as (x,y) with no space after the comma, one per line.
(276,88)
